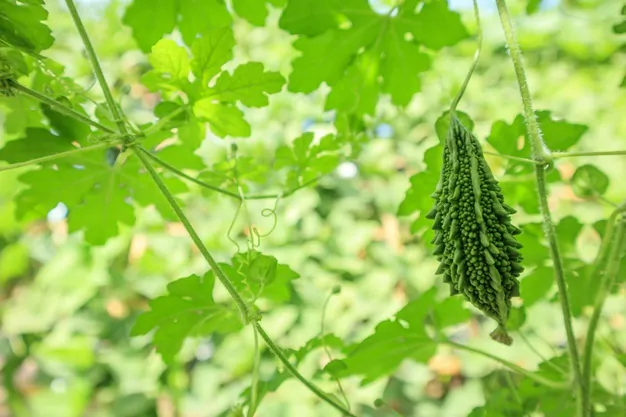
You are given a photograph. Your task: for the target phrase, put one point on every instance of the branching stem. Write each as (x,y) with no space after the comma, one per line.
(59,155)
(95,64)
(511,157)
(248,315)
(232,194)
(219,273)
(542,155)
(276,351)
(60,107)
(560,155)
(612,242)
(243,307)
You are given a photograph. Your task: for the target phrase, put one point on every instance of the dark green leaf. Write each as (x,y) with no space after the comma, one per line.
(535,286)
(588,181)
(187,310)
(21,25)
(210,53)
(249,84)
(150,20)
(223,120)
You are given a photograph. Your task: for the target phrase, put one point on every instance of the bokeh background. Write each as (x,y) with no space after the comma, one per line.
(66,308)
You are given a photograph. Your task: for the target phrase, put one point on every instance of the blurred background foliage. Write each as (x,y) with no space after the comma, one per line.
(67,307)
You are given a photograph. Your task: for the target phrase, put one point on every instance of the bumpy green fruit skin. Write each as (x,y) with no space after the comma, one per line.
(474,238)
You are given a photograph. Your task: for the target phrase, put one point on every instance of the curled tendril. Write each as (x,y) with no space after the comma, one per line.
(230,228)
(267,212)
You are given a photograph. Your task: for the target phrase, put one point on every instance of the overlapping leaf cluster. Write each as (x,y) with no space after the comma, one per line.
(362,53)
(151,20)
(188,309)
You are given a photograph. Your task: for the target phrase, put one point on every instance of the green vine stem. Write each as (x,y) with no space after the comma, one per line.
(335,291)
(142,155)
(95,64)
(613,241)
(241,304)
(234,195)
(542,154)
(243,307)
(254,385)
(292,369)
(469,74)
(511,157)
(59,155)
(60,107)
(559,155)
(537,378)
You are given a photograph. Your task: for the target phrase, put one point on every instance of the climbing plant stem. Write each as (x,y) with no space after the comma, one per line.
(559,155)
(95,64)
(59,155)
(219,273)
(248,316)
(469,74)
(292,369)
(511,157)
(232,194)
(254,385)
(612,242)
(542,154)
(60,107)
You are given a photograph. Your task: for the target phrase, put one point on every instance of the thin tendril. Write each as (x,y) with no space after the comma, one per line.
(479,34)
(325,346)
(230,228)
(267,212)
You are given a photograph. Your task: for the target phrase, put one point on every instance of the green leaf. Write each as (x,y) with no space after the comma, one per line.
(589,181)
(210,52)
(306,160)
(361,77)
(254,11)
(65,126)
(199,16)
(248,84)
(35,144)
(532,6)
(187,310)
(354,59)
(517,317)
(170,59)
(536,285)
(435,26)
(99,200)
(512,139)
(567,232)
(14,261)
(261,276)
(192,133)
(381,353)
(451,311)
(21,25)
(150,20)
(170,64)
(534,251)
(310,17)
(403,62)
(223,120)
